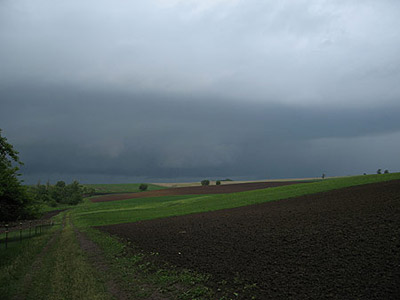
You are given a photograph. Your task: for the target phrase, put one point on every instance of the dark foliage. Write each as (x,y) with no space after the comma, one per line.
(15,202)
(60,193)
(143,187)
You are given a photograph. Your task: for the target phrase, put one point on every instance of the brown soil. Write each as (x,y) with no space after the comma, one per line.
(196,190)
(342,244)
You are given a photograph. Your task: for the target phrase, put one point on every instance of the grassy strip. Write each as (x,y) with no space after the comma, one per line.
(122,187)
(142,278)
(104,213)
(15,262)
(65,273)
(29,270)
(125,211)
(17,259)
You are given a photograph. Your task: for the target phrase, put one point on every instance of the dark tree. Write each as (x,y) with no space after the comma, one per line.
(218,182)
(143,187)
(60,193)
(15,203)
(205,182)
(379,171)
(386,172)
(73,193)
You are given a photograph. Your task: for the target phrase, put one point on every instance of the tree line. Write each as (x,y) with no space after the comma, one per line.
(18,201)
(60,193)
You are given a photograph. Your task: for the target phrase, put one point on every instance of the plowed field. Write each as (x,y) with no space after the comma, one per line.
(196,190)
(342,244)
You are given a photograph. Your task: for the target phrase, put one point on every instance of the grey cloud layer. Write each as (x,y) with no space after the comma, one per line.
(166,89)
(146,136)
(329,52)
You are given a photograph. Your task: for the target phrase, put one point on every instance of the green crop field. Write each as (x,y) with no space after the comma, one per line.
(124,211)
(59,264)
(122,187)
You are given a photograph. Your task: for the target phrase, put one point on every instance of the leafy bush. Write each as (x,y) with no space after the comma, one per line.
(60,193)
(218,182)
(379,171)
(88,191)
(205,182)
(143,187)
(15,202)
(386,172)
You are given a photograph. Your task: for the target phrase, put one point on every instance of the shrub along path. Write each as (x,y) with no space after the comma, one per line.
(341,244)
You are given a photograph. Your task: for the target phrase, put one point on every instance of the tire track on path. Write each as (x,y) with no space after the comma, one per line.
(98,261)
(37,264)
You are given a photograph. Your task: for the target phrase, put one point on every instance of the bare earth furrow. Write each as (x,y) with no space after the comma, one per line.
(341,244)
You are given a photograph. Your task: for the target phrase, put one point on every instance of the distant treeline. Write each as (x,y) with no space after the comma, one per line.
(60,193)
(27,203)
(18,201)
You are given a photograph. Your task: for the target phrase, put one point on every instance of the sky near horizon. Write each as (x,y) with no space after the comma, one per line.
(174,90)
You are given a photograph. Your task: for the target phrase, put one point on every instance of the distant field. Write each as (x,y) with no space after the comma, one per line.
(122,187)
(196,190)
(123,211)
(224,182)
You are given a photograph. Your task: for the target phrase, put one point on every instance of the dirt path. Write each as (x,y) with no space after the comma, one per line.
(98,261)
(37,264)
(342,244)
(61,271)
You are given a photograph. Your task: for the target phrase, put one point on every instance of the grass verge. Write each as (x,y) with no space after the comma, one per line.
(65,272)
(142,276)
(15,262)
(50,266)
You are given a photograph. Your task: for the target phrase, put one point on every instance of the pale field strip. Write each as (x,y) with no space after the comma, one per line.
(212,182)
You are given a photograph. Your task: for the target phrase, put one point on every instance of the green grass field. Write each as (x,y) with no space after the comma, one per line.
(54,266)
(124,211)
(122,187)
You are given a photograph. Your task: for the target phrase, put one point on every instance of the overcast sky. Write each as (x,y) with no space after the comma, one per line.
(180,90)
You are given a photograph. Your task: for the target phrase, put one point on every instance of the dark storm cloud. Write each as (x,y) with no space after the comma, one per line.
(104,90)
(144,136)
